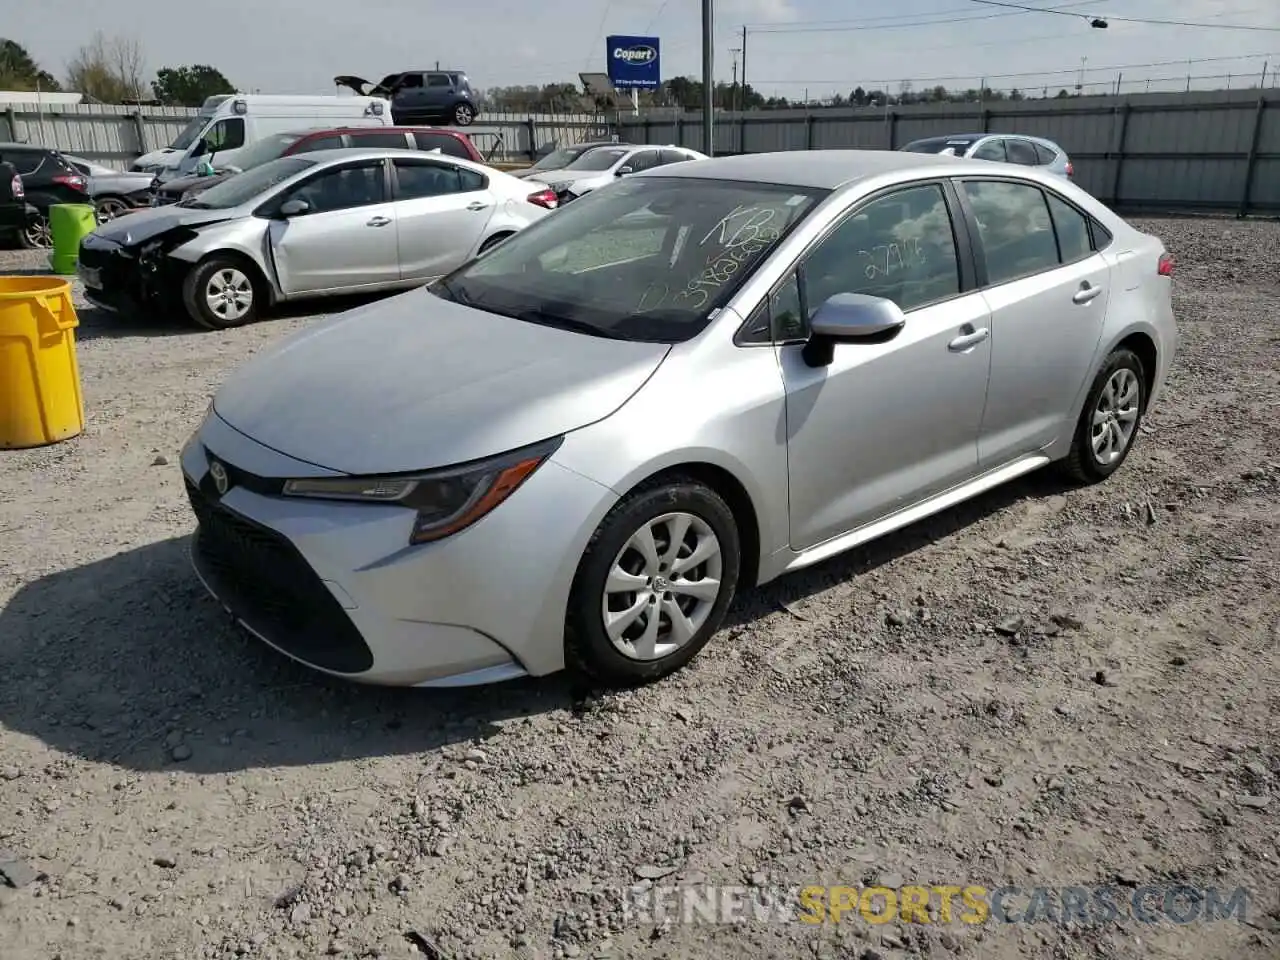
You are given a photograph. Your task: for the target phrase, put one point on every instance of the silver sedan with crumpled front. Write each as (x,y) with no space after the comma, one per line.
(576,448)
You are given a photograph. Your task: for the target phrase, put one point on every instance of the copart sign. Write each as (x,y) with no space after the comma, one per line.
(633,62)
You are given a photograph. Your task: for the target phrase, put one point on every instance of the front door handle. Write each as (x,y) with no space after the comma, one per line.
(378,221)
(967,340)
(477,205)
(1086,293)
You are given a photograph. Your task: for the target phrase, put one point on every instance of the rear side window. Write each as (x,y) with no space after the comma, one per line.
(439,80)
(991,150)
(380,141)
(417,180)
(1044,154)
(1014,227)
(1101,235)
(472,181)
(449,146)
(1072,228)
(26,162)
(1021,151)
(672,156)
(318,143)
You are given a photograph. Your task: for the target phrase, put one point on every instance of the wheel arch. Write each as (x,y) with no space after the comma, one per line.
(1144,345)
(263,286)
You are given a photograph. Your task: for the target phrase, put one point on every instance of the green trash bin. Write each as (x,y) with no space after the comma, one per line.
(69,223)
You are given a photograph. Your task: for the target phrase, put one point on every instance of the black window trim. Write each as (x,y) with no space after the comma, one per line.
(420,158)
(980,255)
(961,237)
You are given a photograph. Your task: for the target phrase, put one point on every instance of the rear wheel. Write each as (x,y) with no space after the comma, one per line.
(654,583)
(1110,420)
(108,208)
(220,294)
(37,235)
(464,114)
(492,242)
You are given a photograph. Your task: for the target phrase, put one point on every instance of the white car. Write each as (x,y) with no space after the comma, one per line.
(601,166)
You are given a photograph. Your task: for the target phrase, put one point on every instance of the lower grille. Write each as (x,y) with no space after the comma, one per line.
(262,577)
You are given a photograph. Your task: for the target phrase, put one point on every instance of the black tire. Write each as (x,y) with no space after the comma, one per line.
(36,235)
(464,114)
(588,649)
(1081,463)
(493,241)
(197,282)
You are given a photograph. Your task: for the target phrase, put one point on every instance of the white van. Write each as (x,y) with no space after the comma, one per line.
(228,123)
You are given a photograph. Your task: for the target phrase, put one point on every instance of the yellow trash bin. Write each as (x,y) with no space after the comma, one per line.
(40,401)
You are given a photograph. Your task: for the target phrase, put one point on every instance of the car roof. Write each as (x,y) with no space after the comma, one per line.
(372,153)
(818,169)
(25,146)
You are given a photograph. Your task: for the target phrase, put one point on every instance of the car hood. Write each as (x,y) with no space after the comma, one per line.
(194,183)
(146,223)
(416,382)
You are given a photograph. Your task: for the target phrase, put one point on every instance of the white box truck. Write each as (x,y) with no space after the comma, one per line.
(228,123)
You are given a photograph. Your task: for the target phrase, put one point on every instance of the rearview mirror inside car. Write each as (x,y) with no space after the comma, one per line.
(850,318)
(294,207)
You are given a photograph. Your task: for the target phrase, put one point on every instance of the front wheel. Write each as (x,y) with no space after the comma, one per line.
(1110,420)
(654,583)
(219,294)
(464,114)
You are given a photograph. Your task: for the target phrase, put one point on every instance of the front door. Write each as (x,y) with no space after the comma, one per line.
(347,238)
(1048,292)
(442,212)
(886,425)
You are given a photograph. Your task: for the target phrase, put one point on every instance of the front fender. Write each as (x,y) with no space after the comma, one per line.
(246,237)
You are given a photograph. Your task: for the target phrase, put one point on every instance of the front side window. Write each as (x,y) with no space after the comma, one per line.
(1014,228)
(599,159)
(227,134)
(642,160)
(244,187)
(647,259)
(410,81)
(991,150)
(951,145)
(673,156)
(900,247)
(343,188)
(779,318)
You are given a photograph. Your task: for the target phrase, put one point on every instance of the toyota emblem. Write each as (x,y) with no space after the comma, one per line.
(220,479)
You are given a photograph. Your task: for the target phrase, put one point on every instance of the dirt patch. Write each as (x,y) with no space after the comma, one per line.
(1045,687)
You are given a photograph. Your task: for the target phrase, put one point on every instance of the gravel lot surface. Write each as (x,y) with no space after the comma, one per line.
(1045,687)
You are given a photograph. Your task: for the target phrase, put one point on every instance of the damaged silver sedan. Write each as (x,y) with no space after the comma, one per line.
(323,223)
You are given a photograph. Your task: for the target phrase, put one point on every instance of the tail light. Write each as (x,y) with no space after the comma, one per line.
(1165,265)
(74,181)
(1071,169)
(544,198)
(16,188)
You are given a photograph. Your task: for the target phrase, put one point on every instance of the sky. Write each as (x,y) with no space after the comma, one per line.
(795,48)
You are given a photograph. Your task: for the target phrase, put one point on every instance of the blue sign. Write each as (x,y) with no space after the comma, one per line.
(633,62)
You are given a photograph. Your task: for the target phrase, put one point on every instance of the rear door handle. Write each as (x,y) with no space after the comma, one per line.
(1086,294)
(378,221)
(477,205)
(967,340)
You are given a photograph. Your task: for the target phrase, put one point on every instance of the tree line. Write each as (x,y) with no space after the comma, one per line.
(112,70)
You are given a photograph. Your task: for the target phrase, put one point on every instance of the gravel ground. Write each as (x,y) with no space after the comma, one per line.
(1045,687)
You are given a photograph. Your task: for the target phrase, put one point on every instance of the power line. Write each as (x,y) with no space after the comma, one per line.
(900,23)
(1106,18)
(1045,73)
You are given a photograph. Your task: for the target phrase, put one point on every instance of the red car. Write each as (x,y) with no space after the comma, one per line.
(448,142)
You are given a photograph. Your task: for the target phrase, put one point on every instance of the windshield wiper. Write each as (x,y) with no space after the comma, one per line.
(545,319)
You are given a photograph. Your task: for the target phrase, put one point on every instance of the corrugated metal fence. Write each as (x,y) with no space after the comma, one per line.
(117,135)
(1216,150)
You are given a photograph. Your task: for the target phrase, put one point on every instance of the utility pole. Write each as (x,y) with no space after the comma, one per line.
(733,90)
(708,78)
(744,67)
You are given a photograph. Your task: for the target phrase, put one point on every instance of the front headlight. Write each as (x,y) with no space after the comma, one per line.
(446,501)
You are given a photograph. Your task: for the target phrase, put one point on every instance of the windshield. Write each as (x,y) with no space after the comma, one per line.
(243,187)
(190,132)
(644,259)
(956,145)
(558,159)
(266,149)
(601,158)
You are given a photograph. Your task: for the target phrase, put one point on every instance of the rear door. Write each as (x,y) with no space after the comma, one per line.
(441,214)
(1048,292)
(440,94)
(346,240)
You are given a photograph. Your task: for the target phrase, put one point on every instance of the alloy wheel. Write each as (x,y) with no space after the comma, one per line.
(229,294)
(38,234)
(463,114)
(110,209)
(1115,417)
(662,586)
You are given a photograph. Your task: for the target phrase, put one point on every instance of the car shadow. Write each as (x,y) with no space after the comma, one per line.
(126,659)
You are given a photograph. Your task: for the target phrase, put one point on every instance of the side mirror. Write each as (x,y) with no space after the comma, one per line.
(294,207)
(623,171)
(850,318)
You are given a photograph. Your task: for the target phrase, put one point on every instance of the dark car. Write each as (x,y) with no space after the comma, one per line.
(561,158)
(48,178)
(451,143)
(421,96)
(16,215)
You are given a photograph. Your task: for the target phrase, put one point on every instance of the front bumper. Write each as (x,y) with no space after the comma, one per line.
(337,587)
(121,278)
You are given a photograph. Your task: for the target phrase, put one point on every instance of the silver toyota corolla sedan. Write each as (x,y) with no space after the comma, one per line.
(308,225)
(1000,147)
(574,449)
